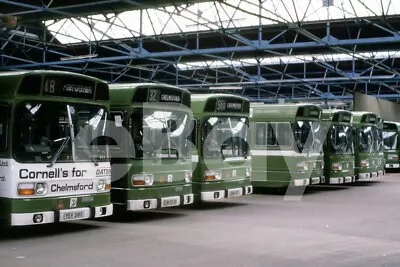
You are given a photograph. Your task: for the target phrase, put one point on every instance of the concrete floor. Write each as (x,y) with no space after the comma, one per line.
(337,226)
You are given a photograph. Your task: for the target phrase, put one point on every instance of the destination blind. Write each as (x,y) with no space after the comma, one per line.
(309,111)
(68,87)
(228,105)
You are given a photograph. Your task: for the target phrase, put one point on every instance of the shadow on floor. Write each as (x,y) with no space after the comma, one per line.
(141,216)
(296,191)
(44,230)
(215,205)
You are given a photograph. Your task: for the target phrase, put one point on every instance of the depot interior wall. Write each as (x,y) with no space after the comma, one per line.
(388,110)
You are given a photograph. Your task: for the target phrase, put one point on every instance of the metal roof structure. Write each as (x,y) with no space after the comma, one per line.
(263,49)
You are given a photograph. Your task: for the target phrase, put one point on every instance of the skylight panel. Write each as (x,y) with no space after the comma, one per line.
(298,59)
(208,16)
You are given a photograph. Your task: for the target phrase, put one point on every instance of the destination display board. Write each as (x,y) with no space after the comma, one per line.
(68,87)
(309,111)
(342,117)
(369,118)
(162,95)
(227,104)
(389,126)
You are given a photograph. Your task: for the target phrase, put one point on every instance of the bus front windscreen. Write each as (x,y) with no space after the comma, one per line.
(307,135)
(59,132)
(225,137)
(377,139)
(342,139)
(161,133)
(366,139)
(390,139)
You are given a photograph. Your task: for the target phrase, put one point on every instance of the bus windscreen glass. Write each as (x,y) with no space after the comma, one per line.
(159,133)
(225,137)
(307,135)
(43,132)
(366,139)
(342,139)
(390,139)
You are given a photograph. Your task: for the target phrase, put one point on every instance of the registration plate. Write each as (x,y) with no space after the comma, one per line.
(315,180)
(170,202)
(235,192)
(347,180)
(74,215)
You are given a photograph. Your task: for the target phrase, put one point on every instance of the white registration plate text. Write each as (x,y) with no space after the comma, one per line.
(235,192)
(170,202)
(73,215)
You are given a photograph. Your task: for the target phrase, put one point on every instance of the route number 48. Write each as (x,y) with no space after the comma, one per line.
(50,86)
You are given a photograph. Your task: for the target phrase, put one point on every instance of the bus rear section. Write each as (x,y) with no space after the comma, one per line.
(53,165)
(339,147)
(286,142)
(391,144)
(366,148)
(223,167)
(151,164)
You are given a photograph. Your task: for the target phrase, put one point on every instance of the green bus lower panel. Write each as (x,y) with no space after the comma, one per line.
(278,179)
(30,211)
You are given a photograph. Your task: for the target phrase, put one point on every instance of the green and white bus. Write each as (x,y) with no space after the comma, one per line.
(151,164)
(366,145)
(53,166)
(391,143)
(339,146)
(222,162)
(286,145)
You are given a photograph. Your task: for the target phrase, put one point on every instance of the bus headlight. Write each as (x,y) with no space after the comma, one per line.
(248,172)
(336,166)
(188,176)
(32,189)
(364,163)
(301,167)
(41,189)
(142,179)
(212,175)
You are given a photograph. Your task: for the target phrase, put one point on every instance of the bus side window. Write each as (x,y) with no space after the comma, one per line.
(3,127)
(261,136)
(271,134)
(284,133)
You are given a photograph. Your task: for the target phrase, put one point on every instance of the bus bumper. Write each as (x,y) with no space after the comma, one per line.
(364,176)
(317,180)
(25,219)
(155,203)
(301,182)
(342,180)
(381,173)
(227,193)
(390,166)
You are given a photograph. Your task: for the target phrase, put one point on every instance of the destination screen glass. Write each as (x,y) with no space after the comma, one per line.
(58,132)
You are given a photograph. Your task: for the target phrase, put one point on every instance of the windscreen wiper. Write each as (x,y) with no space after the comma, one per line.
(63,145)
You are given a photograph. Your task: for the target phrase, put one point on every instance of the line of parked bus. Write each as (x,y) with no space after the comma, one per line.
(73,147)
